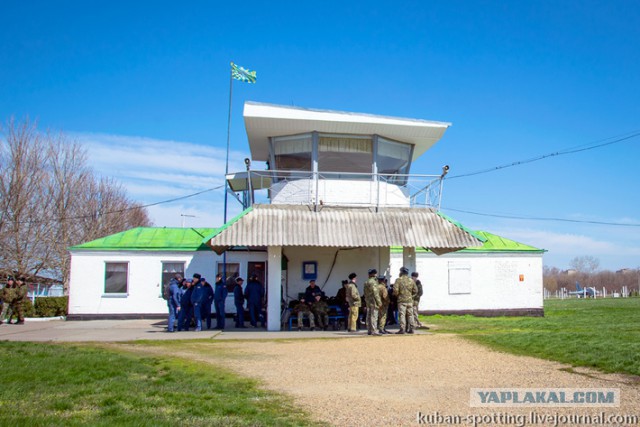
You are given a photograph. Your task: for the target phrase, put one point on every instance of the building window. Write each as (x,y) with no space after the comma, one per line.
(393,158)
(170,269)
(459,278)
(232,271)
(345,153)
(116,277)
(293,153)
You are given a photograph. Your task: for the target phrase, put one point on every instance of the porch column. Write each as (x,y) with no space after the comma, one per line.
(409,259)
(274,295)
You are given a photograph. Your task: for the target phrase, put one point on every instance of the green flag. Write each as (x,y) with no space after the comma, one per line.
(242,74)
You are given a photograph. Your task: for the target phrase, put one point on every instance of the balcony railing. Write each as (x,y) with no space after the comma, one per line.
(338,188)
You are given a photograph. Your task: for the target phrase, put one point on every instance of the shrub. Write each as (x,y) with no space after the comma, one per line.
(51,306)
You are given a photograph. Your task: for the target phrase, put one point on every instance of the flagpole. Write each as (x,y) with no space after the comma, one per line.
(226,172)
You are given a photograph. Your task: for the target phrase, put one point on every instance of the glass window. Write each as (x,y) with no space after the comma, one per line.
(232,271)
(293,153)
(170,269)
(393,157)
(345,153)
(116,277)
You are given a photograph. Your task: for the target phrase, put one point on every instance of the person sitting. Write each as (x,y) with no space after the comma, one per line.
(320,310)
(311,291)
(301,309)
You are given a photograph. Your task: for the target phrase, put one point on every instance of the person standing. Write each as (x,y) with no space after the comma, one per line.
(353,298)
(238,301)
(405,289)
(186,308)
(220,298)
(373,301)
(21,292)
(7,295)
(206,303)
(254,294)
(173,301)
(385,298)
(341,299)
(416,299)
(197,296)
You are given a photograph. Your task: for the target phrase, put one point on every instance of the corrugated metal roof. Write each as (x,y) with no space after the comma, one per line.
(300,225)
(493,244)
(151,239)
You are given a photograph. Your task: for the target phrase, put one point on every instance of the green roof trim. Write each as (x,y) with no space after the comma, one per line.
(151,239)
(229,223)
(459,225)
(492,244)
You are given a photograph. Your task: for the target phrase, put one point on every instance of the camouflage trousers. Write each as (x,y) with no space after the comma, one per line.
(5,310)
(382,316)
(416,320)
(405,315)
(352,323)
(301,316)
(322,319)
(372,319)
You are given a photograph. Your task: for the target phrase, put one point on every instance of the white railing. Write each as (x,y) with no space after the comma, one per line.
(342,188)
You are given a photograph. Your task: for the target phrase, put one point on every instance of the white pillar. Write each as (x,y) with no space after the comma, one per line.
(409,259)
(274,296)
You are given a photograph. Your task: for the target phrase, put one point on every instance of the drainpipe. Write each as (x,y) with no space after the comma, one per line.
(247,162)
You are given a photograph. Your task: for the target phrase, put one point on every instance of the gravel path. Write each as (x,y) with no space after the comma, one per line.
(376,381)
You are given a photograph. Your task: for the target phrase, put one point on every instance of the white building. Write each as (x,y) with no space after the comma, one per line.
(341,200)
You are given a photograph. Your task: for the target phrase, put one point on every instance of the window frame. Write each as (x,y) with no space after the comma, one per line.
(106,292)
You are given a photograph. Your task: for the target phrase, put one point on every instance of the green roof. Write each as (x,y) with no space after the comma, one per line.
(152,239)
(492,244)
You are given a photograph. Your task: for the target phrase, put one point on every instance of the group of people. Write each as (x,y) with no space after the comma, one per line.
(190,302)
(404,294)
(12,296)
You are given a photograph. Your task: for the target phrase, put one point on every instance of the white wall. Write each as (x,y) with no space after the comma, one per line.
(494,281)
(86,285)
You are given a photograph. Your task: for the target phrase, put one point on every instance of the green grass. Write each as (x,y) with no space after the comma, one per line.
(598,333)
(53,385)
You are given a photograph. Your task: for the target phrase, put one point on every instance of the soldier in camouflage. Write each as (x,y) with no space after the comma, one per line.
(320,310)
(302,309)
(353,298)
(373,301)
(405,289)
(7,294)
(386,299)
(20,295)
(416,299)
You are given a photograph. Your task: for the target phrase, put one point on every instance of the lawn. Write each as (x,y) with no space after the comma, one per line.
(62,384)
(598,333)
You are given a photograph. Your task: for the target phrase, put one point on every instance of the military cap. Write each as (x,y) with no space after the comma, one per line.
(373,271)
(239,279)
(197,276)
(414,274)
(352,276)
(344,282)
(381,278)
(404,270)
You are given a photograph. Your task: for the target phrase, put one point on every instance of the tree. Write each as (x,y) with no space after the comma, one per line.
(50,200)
(585,264)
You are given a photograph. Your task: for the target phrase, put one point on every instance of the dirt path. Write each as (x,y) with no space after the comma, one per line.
(374,381)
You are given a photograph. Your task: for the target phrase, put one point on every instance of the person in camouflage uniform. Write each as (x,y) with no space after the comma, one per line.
(320,311)
(19,296)
(7,295)
(353,298)
(405,289)
(416,299)
(301,309)
(373,301)
(386,299)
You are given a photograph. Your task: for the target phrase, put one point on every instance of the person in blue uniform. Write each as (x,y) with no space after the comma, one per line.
(197,297)
(174,301)
(206,302)
(254,294)
(238,301)
(186,308)
(220,297)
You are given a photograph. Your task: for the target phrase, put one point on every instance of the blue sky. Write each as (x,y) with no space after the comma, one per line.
(145,86)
